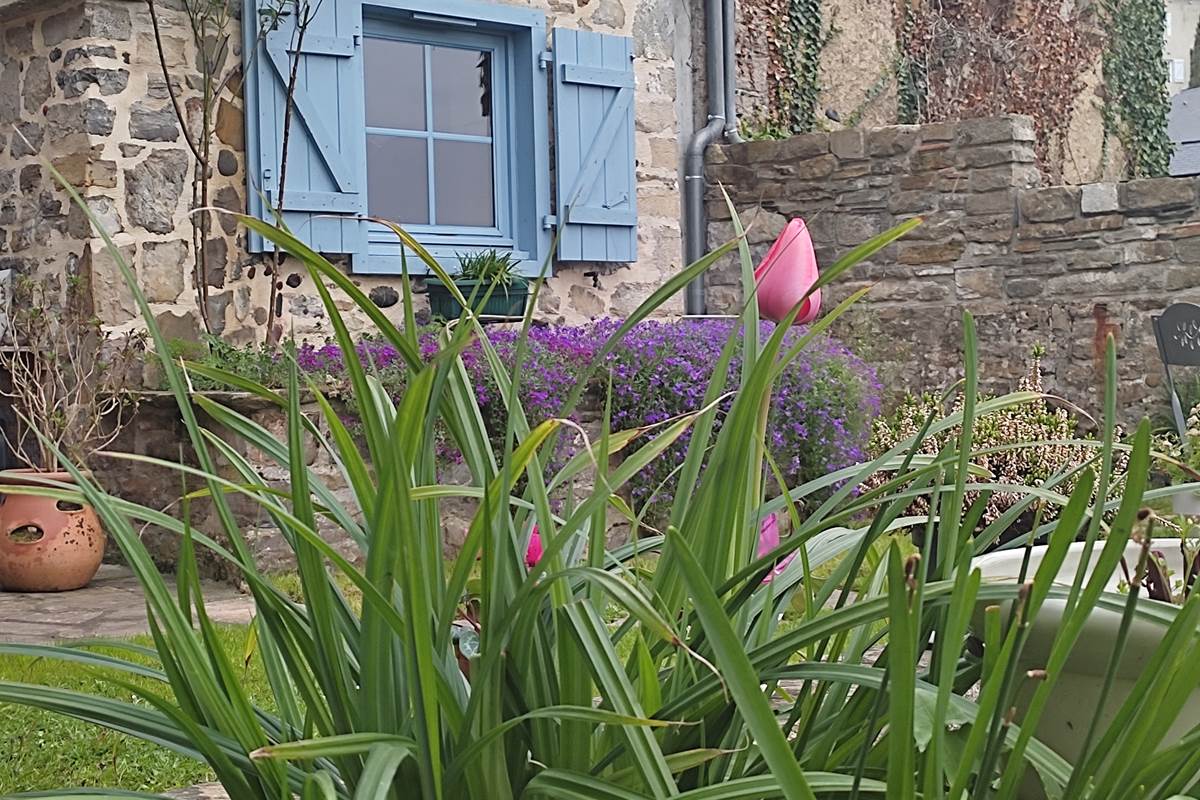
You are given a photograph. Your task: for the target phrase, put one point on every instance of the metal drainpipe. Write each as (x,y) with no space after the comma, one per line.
(729,57)
(693,157)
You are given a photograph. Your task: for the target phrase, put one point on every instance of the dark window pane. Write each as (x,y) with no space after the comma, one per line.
(398,184)
(462,90)
(395,75)
(463,172)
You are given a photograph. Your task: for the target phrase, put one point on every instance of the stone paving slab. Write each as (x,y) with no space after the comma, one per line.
(111,606)
(205,791)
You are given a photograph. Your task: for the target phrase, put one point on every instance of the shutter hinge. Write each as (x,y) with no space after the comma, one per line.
(545,58)
(549,221)
(357,40)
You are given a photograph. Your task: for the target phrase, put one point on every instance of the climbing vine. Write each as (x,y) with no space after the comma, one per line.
(795,35)
(910,79)
(1194,60)
(799,83)
(959,59)
(1135,82)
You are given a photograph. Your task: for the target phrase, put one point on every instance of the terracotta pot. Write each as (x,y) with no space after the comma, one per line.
(46,546)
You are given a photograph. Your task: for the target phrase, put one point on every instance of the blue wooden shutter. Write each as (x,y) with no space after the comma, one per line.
(325,189)
(594,152)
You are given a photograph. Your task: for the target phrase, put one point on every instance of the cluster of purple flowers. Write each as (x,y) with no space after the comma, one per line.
(821,407)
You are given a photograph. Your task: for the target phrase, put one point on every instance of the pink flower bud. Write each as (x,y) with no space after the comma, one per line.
(786,273)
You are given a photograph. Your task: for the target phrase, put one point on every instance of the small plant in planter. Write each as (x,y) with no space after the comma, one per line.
(489,282)
(66,380)
(1168,568)
(1181,463)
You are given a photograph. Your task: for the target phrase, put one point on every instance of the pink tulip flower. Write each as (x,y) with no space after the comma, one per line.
(533,554)
(768,540)
(786,273)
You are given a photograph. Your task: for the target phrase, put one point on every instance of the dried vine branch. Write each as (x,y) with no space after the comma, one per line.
(210,22)
(305,14)
(974,58)
(67,376)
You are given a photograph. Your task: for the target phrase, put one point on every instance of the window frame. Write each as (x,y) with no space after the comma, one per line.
(523,205)
(1172,65)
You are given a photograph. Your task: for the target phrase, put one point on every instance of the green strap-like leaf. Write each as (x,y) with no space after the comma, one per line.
(741,679)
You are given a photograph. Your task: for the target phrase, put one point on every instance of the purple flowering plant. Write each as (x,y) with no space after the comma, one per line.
(821,409)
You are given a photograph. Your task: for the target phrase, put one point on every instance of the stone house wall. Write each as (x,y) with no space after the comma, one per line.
(81,81)
(1062,266)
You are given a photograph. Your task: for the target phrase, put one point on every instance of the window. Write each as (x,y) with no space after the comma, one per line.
(1177,72)
(430,111)
(438,124)
(435,114)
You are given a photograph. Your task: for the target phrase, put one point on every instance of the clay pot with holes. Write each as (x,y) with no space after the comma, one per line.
(46,545)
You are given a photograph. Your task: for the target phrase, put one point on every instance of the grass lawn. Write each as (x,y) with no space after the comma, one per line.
(40,750)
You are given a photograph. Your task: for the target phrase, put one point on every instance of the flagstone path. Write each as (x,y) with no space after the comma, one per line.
(111,606)
(207,791)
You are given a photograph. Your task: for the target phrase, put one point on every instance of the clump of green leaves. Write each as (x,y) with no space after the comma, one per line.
(709,699)
(489,267)
(256,362)
(1135,82)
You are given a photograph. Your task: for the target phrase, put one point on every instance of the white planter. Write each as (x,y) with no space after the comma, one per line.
(1069,711)
(1186,504)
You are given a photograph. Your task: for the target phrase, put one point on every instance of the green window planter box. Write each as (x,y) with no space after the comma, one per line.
(505,301)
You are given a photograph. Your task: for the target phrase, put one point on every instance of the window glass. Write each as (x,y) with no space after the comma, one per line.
(461,83)
(463,174)
(395,78)
(431,151)
(398,180)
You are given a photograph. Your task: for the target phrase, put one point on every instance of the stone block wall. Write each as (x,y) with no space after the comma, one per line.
(1061,266)
(49,110)
(156,430)
(858,83)
(81,82)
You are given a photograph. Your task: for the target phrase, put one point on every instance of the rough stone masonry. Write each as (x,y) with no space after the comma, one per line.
(1062,266)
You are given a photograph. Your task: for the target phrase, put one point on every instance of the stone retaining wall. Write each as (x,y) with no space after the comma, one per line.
(1063,266)
(157,430)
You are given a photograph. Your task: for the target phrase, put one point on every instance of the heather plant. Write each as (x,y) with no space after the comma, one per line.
(1181,463)
(1035,443)
(713,701)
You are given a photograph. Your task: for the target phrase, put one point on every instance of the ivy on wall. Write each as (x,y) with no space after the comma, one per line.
(1135,84)
(910,77)
(796,34)
(1194,60)
(804,38)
